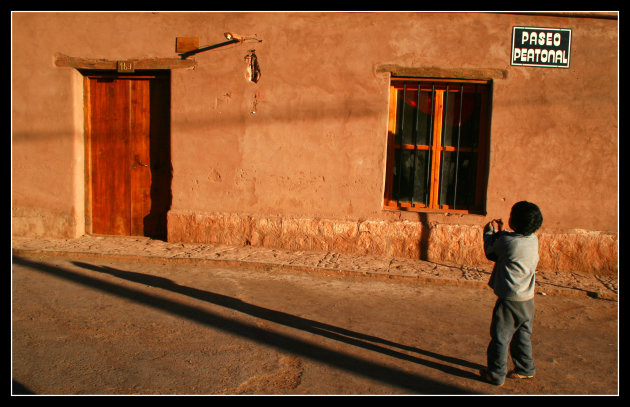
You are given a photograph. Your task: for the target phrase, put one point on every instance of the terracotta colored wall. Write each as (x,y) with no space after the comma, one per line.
(313,153)
(316,143)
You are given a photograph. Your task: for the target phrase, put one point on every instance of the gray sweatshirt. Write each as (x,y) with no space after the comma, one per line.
(516,257)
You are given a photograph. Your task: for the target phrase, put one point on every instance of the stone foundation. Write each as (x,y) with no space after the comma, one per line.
(576,251)
(43,222)
(579,251)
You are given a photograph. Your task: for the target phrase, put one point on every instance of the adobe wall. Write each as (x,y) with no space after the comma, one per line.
(297,160)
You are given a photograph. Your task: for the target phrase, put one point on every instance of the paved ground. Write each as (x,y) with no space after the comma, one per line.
(137,316)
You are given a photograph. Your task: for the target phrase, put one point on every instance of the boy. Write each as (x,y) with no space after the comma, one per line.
(516,256)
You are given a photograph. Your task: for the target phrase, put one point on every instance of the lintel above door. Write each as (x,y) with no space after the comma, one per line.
(126,65)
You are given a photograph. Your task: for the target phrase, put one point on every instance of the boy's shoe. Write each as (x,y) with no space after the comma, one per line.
(486,378)
(515,375)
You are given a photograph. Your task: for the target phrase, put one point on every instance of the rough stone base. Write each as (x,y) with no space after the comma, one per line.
(577,250)
(43,222)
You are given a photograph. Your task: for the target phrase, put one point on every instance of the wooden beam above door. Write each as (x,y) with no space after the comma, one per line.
(62,60)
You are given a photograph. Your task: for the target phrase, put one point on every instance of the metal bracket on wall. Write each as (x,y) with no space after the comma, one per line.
(186,54)
(231,39)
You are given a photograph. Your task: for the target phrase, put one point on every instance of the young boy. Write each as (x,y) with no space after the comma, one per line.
(516,256)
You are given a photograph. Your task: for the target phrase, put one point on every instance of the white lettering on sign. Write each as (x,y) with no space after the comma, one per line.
(540,55)
(547,47)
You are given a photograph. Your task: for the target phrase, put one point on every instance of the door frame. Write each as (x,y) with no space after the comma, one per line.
(108,74)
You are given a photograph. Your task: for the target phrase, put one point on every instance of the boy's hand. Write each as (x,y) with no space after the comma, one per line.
(499,222)
(497,225)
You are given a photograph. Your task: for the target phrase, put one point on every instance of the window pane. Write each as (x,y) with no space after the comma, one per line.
(411,110)
(411,185)
(466,179)
(469,114)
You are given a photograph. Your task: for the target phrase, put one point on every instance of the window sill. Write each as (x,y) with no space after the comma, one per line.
(406,207)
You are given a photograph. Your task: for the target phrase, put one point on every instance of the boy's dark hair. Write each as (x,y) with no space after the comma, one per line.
(525,218)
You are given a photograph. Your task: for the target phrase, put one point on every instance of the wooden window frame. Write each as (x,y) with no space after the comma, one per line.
(436,149)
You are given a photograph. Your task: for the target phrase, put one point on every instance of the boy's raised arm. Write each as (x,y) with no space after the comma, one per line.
(489,237)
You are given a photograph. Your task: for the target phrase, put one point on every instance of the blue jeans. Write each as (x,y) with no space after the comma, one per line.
(511,329)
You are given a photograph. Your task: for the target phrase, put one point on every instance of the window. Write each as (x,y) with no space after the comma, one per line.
(437,145)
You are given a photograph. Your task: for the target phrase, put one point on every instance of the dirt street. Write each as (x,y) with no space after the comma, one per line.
(84,325)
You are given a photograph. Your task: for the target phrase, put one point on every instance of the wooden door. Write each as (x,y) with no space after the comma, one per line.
(128,154)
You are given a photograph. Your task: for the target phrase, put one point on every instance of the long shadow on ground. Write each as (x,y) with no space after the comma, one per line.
(414,383)
(315,327)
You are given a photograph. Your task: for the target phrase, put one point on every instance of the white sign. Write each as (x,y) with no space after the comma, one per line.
(547,47)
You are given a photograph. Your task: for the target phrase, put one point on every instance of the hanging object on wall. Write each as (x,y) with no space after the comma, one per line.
(253,69)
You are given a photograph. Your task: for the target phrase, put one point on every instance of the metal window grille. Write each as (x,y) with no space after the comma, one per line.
(436,144)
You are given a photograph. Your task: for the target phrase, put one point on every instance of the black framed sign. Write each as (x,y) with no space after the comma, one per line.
(546,47)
